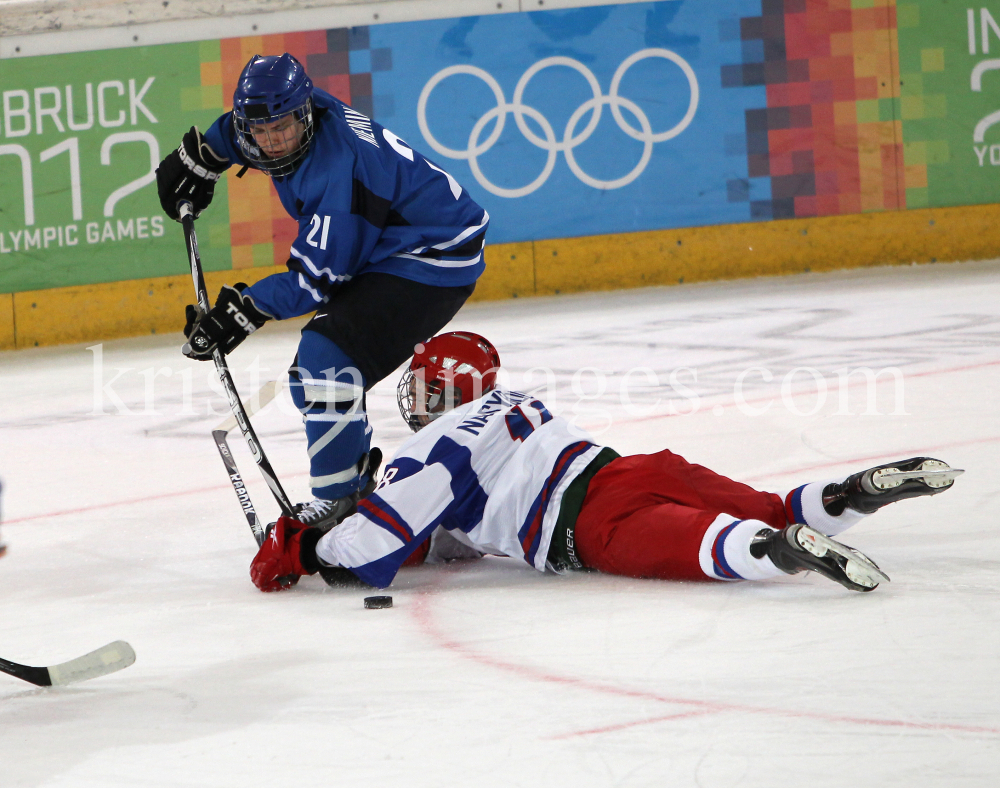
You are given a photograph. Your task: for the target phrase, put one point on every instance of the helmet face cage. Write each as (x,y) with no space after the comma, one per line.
(290,131)
(406,399)
(447,371)
(421,401)
(273,114)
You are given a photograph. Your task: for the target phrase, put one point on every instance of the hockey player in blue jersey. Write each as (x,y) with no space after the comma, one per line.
(492,471)
(389,248)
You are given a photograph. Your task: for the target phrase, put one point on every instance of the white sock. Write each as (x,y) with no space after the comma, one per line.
(805,505)
(725,551)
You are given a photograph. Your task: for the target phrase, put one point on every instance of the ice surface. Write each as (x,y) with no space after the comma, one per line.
(484,674)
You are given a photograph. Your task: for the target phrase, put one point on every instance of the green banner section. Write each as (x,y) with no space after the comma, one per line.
(949,70)
(80,138)
(81,134)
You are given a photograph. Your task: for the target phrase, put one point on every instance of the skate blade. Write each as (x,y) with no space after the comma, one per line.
(933,473)
(859,569)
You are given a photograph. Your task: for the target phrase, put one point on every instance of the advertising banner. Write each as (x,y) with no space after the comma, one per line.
(81,137)
(578,122)
(949,72)
(563,123)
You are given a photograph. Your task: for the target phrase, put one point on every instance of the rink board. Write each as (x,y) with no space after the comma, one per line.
(7,334)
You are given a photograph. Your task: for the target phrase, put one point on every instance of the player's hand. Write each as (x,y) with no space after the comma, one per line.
(189,174)
(288,552)
(233,318)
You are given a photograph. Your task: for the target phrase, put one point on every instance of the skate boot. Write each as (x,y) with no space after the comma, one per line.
(324,514)
(800,547)
(870,490)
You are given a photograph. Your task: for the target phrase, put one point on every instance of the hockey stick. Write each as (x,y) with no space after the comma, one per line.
(255,404)
(220,435)
(256,527)
(256,450)
(107,659)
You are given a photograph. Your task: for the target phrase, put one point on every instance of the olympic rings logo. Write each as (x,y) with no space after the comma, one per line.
(571,138)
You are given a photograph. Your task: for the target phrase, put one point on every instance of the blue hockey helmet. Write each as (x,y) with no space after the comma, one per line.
(273,113)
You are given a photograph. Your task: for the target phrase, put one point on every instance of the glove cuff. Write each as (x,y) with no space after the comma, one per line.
(234,295)
(198,156)
(308,559)
(212,159)
(255,312)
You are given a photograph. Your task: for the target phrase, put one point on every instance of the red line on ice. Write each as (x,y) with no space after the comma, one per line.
(128,502)
(422,613)
(773,474)
(623,725)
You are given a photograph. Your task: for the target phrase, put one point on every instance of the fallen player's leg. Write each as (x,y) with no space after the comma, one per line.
(870,490)
(800,547)
(659,516)
(641,480)
(834,505)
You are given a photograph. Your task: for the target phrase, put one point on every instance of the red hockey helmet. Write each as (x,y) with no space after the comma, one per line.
(446,371)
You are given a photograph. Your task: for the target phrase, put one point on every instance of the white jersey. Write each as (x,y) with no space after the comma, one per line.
(492,472)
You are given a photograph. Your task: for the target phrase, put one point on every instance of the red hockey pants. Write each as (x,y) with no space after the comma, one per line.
(645,515)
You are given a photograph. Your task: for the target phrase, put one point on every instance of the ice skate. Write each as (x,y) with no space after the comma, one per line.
(870,490)
(324,514)
(800,547)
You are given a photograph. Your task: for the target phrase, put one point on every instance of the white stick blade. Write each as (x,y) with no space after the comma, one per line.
(107,659)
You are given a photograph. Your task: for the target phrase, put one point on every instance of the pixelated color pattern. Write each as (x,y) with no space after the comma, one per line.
(339,61)
(829,140)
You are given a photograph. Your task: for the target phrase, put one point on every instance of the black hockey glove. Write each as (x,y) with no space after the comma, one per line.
(229,322)
(189,174)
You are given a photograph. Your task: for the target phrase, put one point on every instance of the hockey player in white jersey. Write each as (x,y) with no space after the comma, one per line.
(492,471)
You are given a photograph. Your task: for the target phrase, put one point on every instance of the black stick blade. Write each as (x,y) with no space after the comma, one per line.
(37,676)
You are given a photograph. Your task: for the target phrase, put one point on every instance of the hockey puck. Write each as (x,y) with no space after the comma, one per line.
(377,602)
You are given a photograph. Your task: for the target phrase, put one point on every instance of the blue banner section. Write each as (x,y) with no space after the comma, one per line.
(578,122)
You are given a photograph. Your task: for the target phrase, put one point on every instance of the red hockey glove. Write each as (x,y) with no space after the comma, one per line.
(288,552)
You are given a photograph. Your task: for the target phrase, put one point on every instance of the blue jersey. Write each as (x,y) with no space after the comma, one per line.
(365,201)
